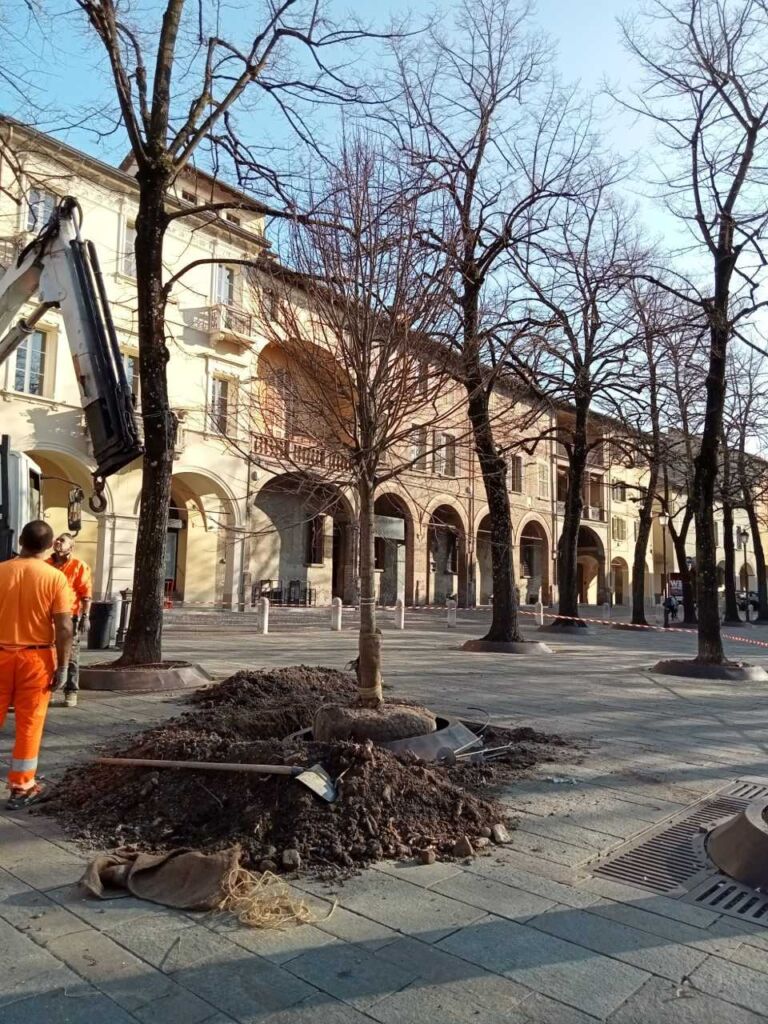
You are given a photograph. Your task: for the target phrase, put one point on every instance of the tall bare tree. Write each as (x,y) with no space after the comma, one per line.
(481,117)
(353,317)
(574,280)
(705,64)
(186,90)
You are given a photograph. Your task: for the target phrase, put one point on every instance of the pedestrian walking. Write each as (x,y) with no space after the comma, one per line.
(78,574)
(35,642)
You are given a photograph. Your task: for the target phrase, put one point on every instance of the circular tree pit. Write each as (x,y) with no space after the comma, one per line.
(164,675)
(730,671)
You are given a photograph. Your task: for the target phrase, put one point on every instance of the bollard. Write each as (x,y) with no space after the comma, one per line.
(263,624)
(539,612)
(399,614)
(606,611)
(125,613)
(336,615)
(451,613)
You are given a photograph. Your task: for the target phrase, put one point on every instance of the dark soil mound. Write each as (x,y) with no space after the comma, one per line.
(388,806)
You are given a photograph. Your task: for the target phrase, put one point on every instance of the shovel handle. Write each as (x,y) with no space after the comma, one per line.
(208,766)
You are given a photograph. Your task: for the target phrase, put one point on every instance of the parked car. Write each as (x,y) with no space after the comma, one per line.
(741,600)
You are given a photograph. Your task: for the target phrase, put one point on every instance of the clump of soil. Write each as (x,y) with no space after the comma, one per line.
(388,806)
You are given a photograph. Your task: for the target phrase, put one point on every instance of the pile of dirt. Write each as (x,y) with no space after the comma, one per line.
(388,806)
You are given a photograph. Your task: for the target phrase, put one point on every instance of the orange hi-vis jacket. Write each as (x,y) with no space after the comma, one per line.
(79,578)
(31,593)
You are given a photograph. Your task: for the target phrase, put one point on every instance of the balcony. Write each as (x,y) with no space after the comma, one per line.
(225,323)
(595,456)
(290,452)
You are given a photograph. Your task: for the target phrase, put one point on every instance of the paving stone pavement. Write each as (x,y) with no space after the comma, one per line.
(523,934)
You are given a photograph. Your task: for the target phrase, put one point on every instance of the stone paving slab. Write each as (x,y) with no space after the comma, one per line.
(494,897)
(742,986)
(665,1003)
(642,949)
(564,971)
(73,1005)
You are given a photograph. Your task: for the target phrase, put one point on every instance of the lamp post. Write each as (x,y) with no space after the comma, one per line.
(663,520)
(742,539)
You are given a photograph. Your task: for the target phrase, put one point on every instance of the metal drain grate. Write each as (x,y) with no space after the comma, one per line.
(670,856)
(747,788)
(728,897)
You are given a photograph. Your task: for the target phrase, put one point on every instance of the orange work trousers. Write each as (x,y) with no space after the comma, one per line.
(25,681)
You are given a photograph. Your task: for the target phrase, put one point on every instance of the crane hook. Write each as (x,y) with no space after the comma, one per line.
(97,501)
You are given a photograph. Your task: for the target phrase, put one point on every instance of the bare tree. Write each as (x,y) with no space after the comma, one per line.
(184,92)
(482,119)
(574,287)
(358,307)
(706,89)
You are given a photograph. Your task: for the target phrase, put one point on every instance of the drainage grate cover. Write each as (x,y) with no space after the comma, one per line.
(668,857)
(722,894)
(748,788)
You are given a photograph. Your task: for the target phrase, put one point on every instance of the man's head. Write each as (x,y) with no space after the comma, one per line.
(36,538)
(62,547)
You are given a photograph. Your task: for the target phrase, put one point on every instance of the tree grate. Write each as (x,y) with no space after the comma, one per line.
(722,894)
(669,856)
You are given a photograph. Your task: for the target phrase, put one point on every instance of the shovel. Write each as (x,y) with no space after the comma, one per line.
(315,778)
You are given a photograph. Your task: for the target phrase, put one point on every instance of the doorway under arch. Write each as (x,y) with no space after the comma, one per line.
(620,571)
(394,549)
(590,567)
(484,561)
(534,563)
(200,543)
(303,540)
(447,556)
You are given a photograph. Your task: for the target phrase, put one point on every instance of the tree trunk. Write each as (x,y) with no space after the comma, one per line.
(568,545)
(505,626)
(369,642)
(641,549)
(757,543)
(732,617)
(689,604)
(143,641)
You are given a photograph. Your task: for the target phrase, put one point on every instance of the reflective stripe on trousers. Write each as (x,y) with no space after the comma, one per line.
(25,680)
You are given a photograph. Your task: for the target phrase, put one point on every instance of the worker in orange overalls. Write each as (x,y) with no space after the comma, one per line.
(35,641)
(79,578)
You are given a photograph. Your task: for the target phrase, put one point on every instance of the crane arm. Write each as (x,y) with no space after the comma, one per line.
(63,271)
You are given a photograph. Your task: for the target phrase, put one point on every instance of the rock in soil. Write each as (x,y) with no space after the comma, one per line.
(499,834)
(388,806)
(428,856)
(291,860)
(463,847)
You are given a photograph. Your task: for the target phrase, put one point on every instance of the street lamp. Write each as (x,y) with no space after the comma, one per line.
(742,538)
(663,521)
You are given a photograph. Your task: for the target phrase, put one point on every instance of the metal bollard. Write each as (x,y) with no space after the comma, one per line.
(336,615)
(606,611)
(263,623)
(399,614)
(451,613)
(539,613)
(125,611)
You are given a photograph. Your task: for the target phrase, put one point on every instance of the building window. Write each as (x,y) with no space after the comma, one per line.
(543,471)
(379,553)
(233,219)
(30,364)
(618,528)
(225,285)
(221,404)
(422,380)
(188,197)
(41,206)
(515,473)
(315,540)
(619,490)
(636,528)
(419,448)
(128,262)
(445,455)
(131,366)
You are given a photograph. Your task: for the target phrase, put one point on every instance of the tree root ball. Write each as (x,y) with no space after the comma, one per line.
(388,722)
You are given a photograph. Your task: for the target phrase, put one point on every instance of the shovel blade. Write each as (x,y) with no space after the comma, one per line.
(319,781)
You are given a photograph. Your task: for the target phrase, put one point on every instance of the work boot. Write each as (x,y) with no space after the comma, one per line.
(70,699)
(21,798)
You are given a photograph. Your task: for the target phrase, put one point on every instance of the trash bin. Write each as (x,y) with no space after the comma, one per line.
(100,629)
